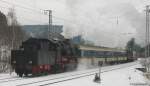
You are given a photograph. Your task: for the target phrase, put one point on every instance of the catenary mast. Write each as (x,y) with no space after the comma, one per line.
(147,33)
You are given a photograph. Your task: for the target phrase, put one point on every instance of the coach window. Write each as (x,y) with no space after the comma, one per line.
(82,53)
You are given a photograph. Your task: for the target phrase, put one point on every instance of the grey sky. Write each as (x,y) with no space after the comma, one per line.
(96,20)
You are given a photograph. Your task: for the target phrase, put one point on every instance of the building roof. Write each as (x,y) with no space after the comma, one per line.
(96,48)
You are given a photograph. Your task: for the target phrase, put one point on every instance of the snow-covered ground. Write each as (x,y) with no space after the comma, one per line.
(118,75)
(128,76)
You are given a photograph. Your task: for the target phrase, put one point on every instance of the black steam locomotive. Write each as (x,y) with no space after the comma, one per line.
(38,56)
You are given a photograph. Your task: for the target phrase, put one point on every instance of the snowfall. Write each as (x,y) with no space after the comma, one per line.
(116,75)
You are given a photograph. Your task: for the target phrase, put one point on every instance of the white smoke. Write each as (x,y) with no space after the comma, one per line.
(96,20)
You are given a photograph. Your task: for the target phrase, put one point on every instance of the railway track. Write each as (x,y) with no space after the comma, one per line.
(11,79)
(70,77)
(6,78)
(56,78)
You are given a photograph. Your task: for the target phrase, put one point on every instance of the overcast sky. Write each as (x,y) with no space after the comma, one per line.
(106,22)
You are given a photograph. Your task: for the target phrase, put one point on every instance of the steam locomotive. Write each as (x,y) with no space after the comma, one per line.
(41,56)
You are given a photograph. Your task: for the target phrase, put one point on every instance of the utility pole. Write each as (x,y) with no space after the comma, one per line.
(147,32)
(50,23)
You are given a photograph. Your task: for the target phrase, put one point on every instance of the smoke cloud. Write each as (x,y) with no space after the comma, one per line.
(107,23)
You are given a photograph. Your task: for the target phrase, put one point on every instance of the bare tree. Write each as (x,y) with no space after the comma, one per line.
(16,33)
(11,36)
(3,41)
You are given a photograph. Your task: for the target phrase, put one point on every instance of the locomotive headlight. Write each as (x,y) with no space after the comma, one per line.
(30,62)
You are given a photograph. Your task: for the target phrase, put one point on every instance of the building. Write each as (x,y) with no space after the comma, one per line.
(81,41)
(41,31)
(77,39)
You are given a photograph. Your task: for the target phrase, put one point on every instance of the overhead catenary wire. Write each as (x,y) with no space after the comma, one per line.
(71,23)
(40,11)
(21,6)
(37,20)
(34,20)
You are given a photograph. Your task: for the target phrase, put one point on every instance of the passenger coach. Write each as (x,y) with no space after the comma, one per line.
(92,55)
